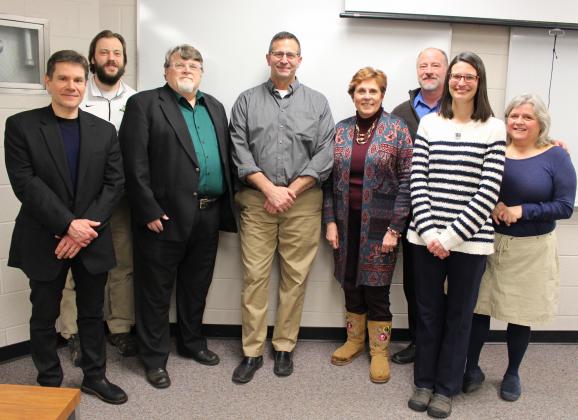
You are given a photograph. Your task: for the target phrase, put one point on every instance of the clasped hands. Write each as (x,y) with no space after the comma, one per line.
(437,249)
(279,199)
(79,235)
(508,215)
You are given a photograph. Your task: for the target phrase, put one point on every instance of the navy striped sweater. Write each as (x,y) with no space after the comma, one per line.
(455,181)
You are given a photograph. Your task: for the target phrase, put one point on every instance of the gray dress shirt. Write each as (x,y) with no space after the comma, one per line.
(282,137)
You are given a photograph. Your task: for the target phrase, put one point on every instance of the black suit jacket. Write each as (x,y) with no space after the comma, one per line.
(161,167)
(38,171)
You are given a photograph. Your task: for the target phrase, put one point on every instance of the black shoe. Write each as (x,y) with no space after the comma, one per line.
(283,363)
(103,389)
(74,349)
(125,343)
(203,356)
(473,380)
(246,369)
(405,356)
(158,377)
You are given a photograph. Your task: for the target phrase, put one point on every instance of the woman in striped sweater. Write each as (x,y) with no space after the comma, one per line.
(455,180)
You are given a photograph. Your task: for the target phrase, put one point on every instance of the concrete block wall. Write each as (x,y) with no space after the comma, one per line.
(73,23)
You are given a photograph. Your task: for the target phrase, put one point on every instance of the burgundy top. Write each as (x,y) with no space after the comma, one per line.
(358,160)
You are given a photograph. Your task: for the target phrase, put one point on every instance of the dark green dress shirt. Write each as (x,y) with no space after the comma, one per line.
(206,145)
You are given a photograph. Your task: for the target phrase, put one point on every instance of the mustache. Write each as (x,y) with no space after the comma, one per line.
(111,63)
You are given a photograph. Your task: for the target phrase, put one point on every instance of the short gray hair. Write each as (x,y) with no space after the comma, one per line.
(284,35)
(541,112)
(186,51)
(442,52)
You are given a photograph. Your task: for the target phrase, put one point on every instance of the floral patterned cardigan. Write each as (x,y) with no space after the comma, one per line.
(385,201)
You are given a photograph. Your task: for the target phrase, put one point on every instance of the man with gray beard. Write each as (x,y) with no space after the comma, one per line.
(175,146)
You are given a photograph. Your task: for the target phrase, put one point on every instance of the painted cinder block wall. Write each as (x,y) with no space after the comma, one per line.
(73,23)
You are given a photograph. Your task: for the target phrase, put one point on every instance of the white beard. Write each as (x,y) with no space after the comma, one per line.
(430,85)
(186,86)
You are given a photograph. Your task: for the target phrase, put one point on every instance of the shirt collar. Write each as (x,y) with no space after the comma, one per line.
(198,96)
(96,92)
(418,101)
(292,87)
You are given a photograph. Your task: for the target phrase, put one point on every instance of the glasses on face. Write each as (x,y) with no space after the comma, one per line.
(180,66)
(468,78)
(279,55)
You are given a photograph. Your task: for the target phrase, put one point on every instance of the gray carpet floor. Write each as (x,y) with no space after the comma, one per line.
(317,389)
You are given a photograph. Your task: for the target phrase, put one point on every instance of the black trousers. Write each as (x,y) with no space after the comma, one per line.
(373,300)
(45,297)
(444,321)
(409,284)
(157,264)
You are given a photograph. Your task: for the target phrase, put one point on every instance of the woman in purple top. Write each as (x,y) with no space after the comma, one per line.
(366,203)
(520,285)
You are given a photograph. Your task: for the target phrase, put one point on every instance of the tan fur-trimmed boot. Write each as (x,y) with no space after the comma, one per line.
(355,344)
(379,336)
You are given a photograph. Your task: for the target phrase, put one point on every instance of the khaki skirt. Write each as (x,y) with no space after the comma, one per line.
(522,279)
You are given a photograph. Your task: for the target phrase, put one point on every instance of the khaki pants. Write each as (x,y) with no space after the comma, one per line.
(118,293)
(295,234)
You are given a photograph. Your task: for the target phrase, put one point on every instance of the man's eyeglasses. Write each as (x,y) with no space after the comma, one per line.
(468,78)
(191,67)
(279,55)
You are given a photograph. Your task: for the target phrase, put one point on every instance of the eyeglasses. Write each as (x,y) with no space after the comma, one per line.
(468,78)
(182,66)
(279,55)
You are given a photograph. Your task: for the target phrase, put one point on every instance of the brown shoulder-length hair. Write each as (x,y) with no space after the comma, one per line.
(482,107)
(368,73)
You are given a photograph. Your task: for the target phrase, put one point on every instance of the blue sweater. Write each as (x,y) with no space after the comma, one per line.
(545,186)
(70,132)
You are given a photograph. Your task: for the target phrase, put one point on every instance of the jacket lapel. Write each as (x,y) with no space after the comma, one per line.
(170,108)
(53,138)
(346,154)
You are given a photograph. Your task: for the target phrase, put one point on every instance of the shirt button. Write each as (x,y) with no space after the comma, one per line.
(194,194)
(281,126)
(196,169)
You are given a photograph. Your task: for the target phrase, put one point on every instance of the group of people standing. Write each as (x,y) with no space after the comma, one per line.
(438,176)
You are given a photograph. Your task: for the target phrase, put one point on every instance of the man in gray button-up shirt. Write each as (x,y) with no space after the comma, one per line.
(282,133)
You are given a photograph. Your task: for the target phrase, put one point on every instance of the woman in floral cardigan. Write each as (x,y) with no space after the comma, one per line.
(366,203)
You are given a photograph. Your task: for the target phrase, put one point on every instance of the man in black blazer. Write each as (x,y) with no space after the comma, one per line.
(175,144)
(65,167)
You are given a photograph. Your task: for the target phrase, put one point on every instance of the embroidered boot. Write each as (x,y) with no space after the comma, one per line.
(355,343)
(379,336)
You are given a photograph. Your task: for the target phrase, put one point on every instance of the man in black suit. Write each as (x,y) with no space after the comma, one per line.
(175,144)
(65,167)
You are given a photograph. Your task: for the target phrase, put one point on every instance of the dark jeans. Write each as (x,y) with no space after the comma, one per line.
(444,321)
(409,284)
(373,300)
(45,297)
